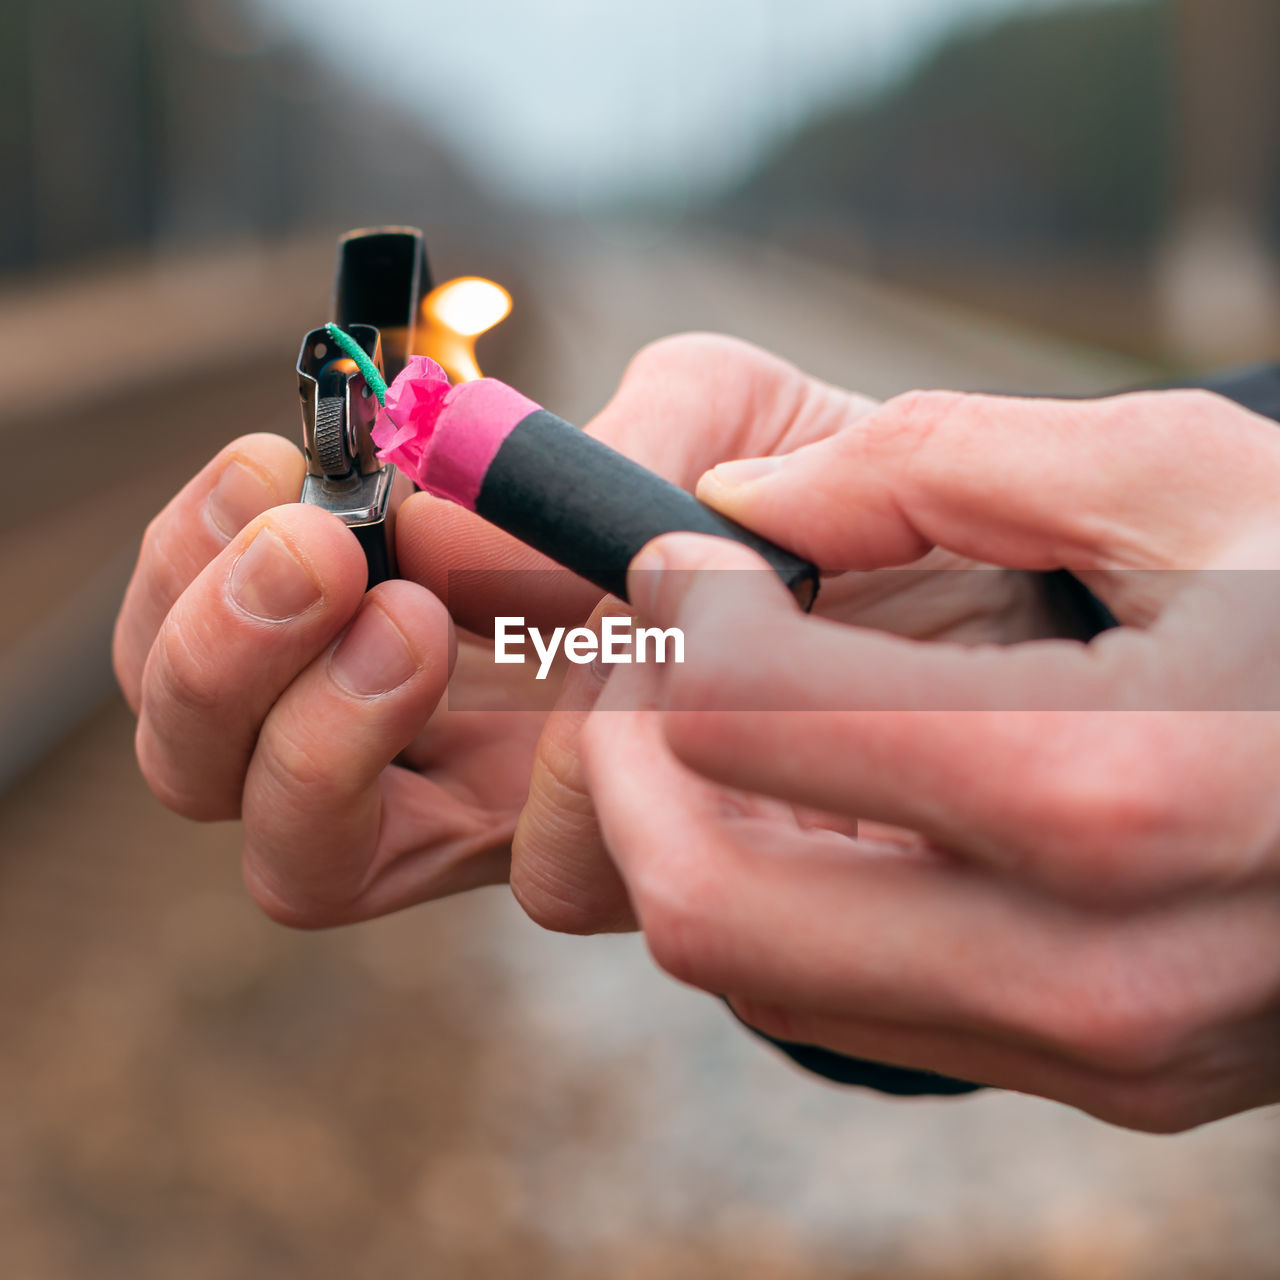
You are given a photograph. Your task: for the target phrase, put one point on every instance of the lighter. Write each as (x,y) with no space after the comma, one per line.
(381,276)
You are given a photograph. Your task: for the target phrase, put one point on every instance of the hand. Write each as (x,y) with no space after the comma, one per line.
(1089,906)
(270,687)
(686,401)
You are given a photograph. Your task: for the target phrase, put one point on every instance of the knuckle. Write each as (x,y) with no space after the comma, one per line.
(180,701)
(180,677)
(1127,1041)
(167,570)
(924,406)
(679,923)
(1118,1024)
(899,434)
(730,372)
(682,353)
(1116,811)
(916,414)
(194,800)
(672,938)
(1194,403)
(1143,810)
(296,766)
(1110,823)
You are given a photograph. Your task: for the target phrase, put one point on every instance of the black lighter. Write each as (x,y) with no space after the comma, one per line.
(382,274)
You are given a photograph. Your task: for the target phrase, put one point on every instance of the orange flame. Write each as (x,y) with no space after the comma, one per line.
(455,314)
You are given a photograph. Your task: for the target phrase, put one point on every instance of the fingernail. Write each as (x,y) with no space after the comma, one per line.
(270,583)
(730,475)
(373,657)
(239,495)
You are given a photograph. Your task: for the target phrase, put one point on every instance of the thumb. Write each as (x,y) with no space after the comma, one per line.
(1149,481)
(561,873)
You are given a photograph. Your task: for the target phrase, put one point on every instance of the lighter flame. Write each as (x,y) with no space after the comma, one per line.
(455,315)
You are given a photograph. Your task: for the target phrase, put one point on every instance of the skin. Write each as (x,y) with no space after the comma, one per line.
(1067,880)
(1075,903)
(359,802)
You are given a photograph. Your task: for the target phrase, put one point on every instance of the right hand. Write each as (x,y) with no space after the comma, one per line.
(1083,898)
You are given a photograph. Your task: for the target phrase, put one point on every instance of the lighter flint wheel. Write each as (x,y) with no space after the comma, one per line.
(331,452)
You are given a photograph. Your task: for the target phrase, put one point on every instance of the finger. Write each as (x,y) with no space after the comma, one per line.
(1032,484)
(683,404)
(240,633)
(686,400)
(819,924)
(332,834)
(1002,754)
(561,873)
(248,477)
(749,647)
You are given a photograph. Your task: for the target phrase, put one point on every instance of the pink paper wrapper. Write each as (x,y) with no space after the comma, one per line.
(408,419)
(445,438)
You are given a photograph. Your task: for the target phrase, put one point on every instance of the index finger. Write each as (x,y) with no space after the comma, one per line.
(251,475)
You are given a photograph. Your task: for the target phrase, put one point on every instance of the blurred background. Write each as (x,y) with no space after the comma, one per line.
(1024,196)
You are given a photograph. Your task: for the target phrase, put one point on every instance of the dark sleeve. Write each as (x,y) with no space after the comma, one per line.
(1084,615)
